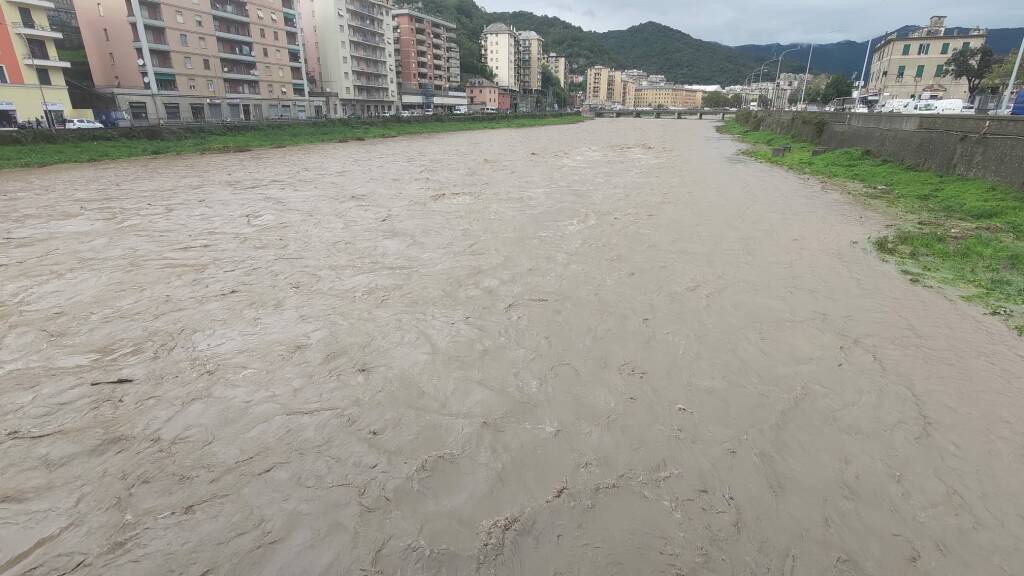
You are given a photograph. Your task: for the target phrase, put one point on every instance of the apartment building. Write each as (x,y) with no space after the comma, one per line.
(913,66)
(486,96)
(32,81)
(597,85)
(197,60)
(667,96)
(531,54)
(354,68)
(500,50)
(559,67)
(424,47)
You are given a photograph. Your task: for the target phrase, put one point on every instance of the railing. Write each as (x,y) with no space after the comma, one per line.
(230,8)
(33,26)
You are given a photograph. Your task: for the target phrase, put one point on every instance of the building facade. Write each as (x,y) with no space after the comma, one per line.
(32,83)
(559,67)
(531,54)
(184,61)
(597,85)
(667,96)
(913,66)
(425,52)
(354,70)
(499,49)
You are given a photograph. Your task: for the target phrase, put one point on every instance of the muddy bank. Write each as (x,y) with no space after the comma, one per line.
(609,348)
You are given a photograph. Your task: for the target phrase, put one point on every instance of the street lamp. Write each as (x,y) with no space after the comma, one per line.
(1013,78)
(778,73)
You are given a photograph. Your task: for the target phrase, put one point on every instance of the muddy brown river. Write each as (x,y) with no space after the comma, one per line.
(613,348)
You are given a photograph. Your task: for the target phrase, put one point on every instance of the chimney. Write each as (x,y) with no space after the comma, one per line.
(937,22)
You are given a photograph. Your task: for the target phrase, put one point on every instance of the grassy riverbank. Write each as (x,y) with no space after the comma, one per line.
(267,136)
(956,231)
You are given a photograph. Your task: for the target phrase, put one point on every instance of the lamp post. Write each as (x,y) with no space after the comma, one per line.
(760,76)
(778,73)
(807,74)
(1013,78)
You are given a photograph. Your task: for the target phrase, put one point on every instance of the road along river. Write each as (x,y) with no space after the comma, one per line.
(608,348)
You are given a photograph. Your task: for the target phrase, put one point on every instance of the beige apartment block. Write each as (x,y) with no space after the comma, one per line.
(667,96)
(198,60)
(598,78)
(615,87)
(500,50)
(531,54)
(559,67)
(913,66)
(354,66)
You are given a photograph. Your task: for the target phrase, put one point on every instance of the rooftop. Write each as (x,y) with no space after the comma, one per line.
(499,28)
(400,11)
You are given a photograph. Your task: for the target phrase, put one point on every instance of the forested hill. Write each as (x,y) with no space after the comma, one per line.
(652,47)
(656,48)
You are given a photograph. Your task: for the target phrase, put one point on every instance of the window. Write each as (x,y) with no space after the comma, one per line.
(348,90)
(346,75)
(967,46)
(199,21)
(277,53)
(173,111)
(206,63)
(106,35)
(900,72)
(179,17)
(259,13)
(273,16)
(188,62)
(111,54)
(192,84)
(44,76)
(183,40)
(99,8)
(945,48)
(209,85)
(3,75)
(198,112)
(939,71)
(275,36)
(263,32)
(265,55)
(906,49)
(266,70)
(920,72)
(270,88)
(280,72)
(922,49)
(202,41)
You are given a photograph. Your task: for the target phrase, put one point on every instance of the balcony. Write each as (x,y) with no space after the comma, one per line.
(233,76)
(241,56)
(46,63)
(368,56)
(367,26)
(231,10)
(35,30)
(368,41)
(158,45)
(37,3)
(148,22)
(366,9)
(230,36)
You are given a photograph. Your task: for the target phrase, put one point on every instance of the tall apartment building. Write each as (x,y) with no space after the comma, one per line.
(424,47)
(597,85)
(559,67)
(531,54)
(353,55)
(500,50)
(31,74)
(197,60)
(913,66)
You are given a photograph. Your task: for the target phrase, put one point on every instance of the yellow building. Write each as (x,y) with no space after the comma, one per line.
(597,85)
(667,96)
(913,66)
(31,74)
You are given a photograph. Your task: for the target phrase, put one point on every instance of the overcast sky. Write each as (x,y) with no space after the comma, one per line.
(764,21)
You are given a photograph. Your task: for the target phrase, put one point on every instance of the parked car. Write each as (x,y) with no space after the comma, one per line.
(460,110)
(407,113)
(81,123)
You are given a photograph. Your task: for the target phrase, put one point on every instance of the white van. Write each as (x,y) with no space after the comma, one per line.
(951,106)
(893,106)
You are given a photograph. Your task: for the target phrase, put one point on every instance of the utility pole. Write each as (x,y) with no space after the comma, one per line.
(778,73)
(147,59)
(864,70)
(807,74)
(1013,78)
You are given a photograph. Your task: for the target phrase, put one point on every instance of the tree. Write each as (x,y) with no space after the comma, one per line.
(1002,68)
(554,94)
(736,101)
(971,64)
(716,100)
(836,87)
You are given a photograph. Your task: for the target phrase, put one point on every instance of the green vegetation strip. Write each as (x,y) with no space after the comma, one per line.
(961,232)
(269,136)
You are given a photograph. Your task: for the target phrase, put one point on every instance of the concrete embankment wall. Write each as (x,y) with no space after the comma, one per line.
(974,146)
